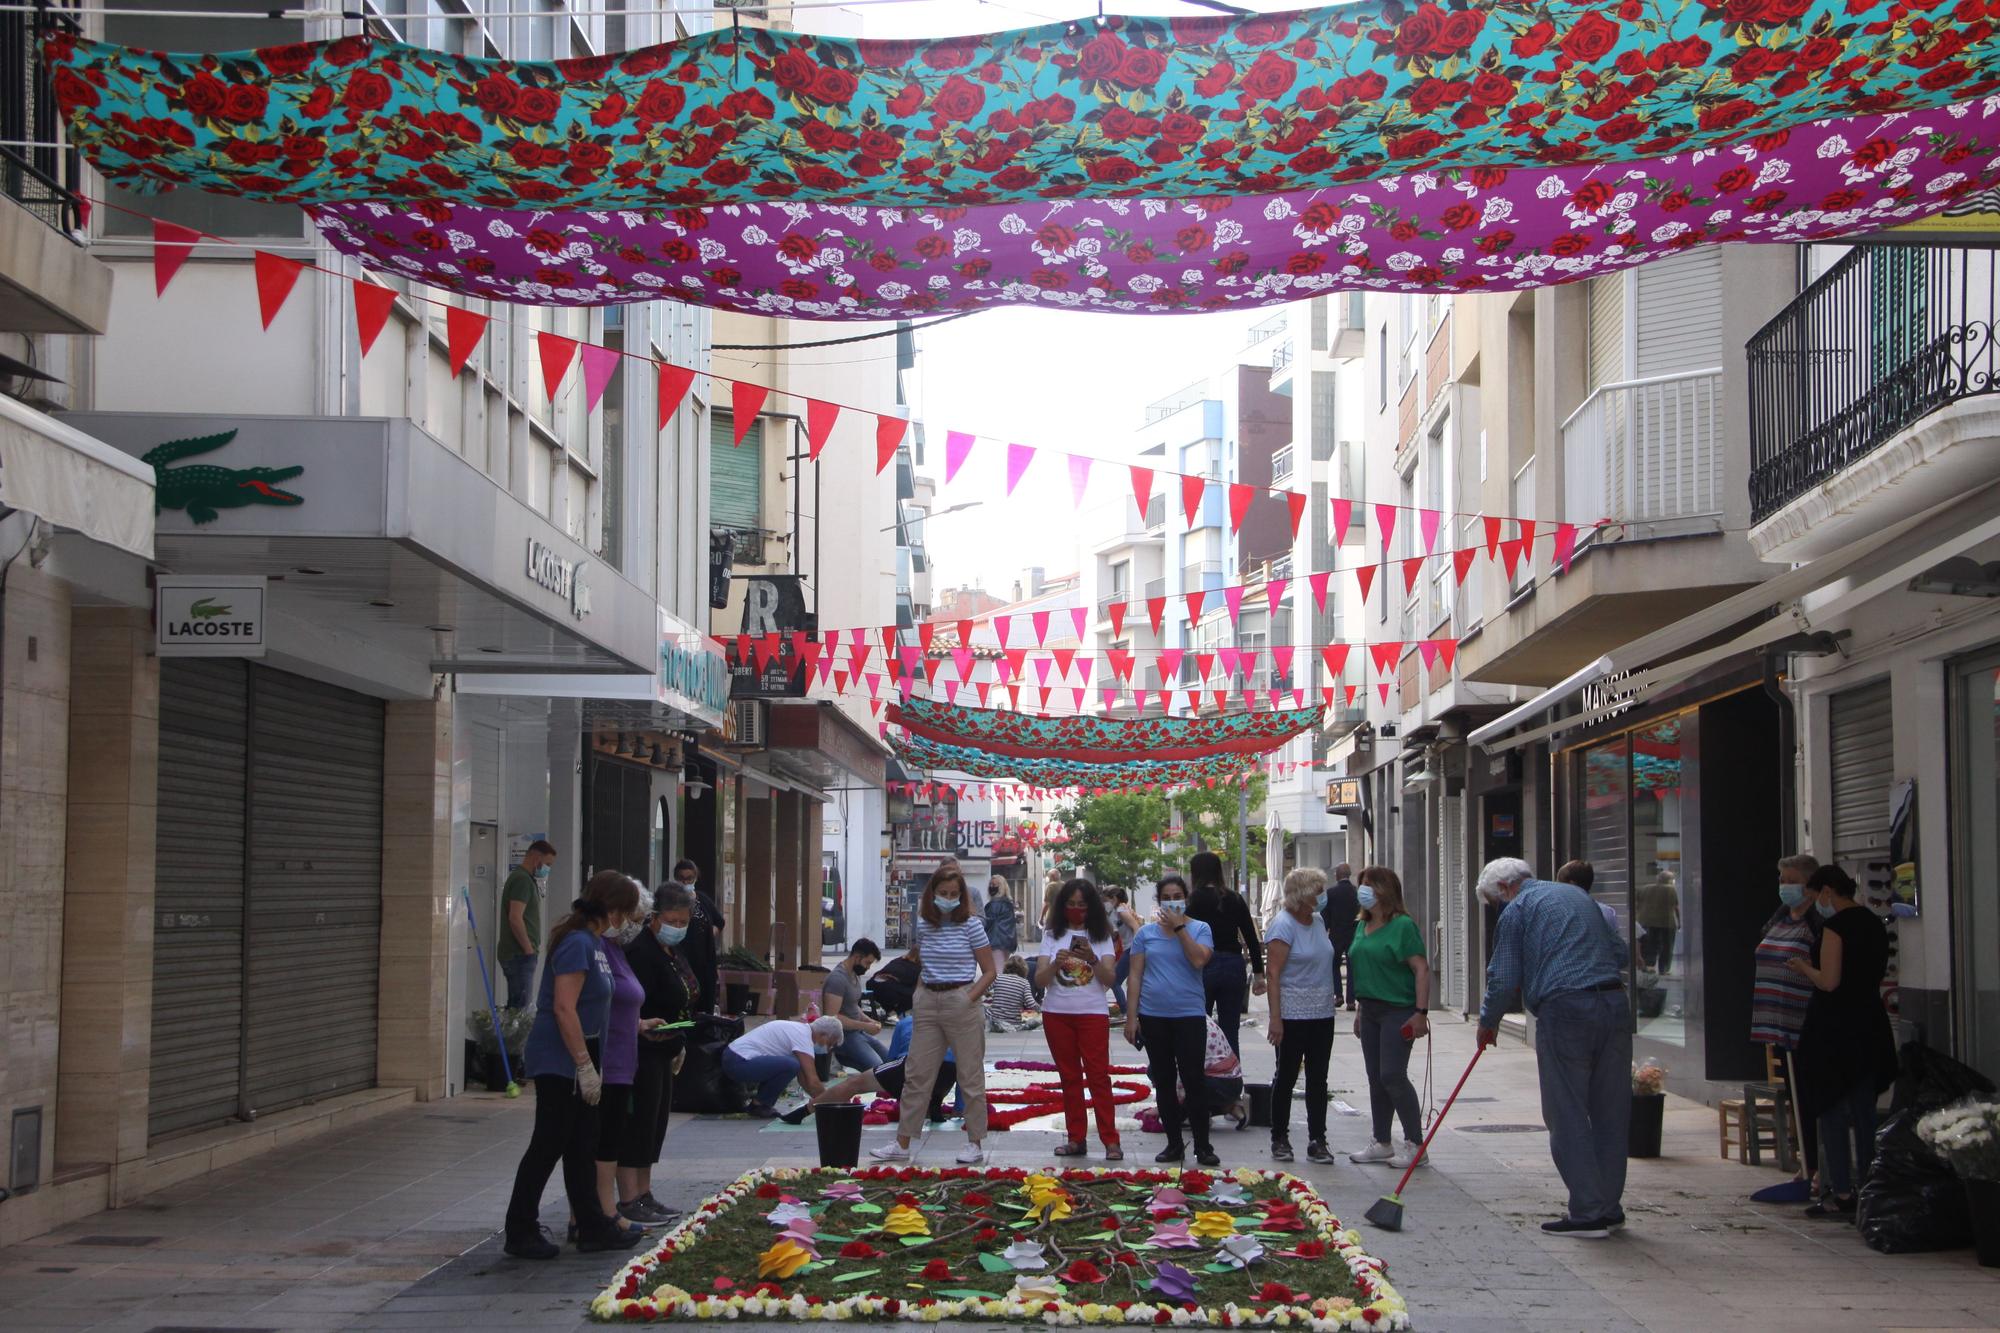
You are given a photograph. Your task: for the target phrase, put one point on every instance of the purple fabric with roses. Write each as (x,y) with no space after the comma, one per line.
(1182,108)
(1476,230)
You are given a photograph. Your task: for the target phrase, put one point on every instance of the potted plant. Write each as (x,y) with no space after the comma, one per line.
(1649,1109)
(745,979)
(514,1025)
(1967,1135)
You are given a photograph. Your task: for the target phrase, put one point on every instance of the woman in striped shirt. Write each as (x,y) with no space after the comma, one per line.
(956,966)
(1779,995)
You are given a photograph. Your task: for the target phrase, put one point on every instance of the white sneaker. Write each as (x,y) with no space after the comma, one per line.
(1408,1153)
(972,1154)
(1374,1152)
(891,1151)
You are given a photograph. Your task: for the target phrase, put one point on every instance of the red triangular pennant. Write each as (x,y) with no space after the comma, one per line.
(1156,610)
(1492,526)
(745,402)
(1565,544)
(1142,489)
(462,331)
(1297,501)
(1334,655)
(172,243)
(1116,610)
(1365,576)
(276,276)
(674,384)
(1194,601)
(1412,568)
(1240,497)
(1191,493)
(889,433)
(1461,562)
(1447,651)
(372,305)
(557,352)
(819,424)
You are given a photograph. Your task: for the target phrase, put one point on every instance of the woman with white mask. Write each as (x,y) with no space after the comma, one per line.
(1168,1017)
(671,987)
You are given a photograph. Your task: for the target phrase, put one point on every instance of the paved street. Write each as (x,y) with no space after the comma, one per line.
(392,1226)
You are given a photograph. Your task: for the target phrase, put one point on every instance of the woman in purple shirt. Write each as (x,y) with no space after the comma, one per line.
(621,1059)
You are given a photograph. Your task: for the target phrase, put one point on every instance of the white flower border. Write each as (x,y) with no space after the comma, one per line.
(1381,1307)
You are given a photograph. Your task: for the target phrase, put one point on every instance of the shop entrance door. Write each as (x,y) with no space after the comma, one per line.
(618,818)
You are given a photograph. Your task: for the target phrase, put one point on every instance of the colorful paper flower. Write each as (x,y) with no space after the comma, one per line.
(906,1221)
(1083,1271)
(843,1191)
(783,1259)
(1196,1182)
(1240,1251)
(1166,1202)
(974,1199)
(1026,1256)
(1213,1226)
(1035,1291)
(1277,1292)
(1173,1282)
(859,1249)
(1227,1192)
(1306,1249)
(787,1213)
(1173,1236)
(769,1192)
(1046,1198)
(935,1269)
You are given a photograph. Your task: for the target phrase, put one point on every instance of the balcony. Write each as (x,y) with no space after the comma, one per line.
(1281,465)
(1870,397)
(1110,599)
(1265,329)
(1155,588)
(1156,514)
(1283,369)
(48,284)
(1202,576)
(1646,451)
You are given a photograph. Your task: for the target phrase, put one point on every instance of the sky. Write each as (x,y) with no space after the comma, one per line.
(1042,378)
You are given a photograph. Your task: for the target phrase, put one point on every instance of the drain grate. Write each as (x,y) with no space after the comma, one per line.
(207,1328)
(1503,1129)
(54,1268)
(117,1242)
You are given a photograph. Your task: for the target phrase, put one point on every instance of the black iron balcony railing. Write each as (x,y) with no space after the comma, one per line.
(37,170)
(1879,341)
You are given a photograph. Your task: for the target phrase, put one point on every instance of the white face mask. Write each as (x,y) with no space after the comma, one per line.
(945,905)
(626,933)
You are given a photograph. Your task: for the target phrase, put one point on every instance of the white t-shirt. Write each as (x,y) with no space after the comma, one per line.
(1074,989)
(781,1036)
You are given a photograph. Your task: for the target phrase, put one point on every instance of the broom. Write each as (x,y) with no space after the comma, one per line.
(1387,1211)
(492,1009)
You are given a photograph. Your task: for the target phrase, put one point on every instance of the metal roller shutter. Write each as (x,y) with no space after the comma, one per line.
(315,855)
(1680,313)
(1606,327)
(736,474)
(198,902)
(1861,750)
(1452,893)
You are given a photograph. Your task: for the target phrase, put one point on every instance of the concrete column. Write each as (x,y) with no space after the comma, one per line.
(113,812)
(565,824)
(811,826)
(787,911)
(414,1002)
(755,826)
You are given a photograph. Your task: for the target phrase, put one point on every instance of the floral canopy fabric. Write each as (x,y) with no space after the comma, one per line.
(1188,107)
(1101,739)
(1056,770)
(1457,230)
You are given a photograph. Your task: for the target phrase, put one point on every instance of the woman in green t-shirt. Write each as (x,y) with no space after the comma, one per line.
(1392,979)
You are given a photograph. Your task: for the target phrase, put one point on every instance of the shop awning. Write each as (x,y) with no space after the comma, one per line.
(1870,567)
(73,480)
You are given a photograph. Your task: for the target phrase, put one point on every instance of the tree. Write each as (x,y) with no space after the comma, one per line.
(1116,837)
(1208,816)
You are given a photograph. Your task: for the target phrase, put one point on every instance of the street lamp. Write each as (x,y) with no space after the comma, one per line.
(940,513)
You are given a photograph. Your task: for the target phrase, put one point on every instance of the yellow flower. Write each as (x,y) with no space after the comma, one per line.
(904,1220)
(1213,1226)
(783,1259)
(1054,1203)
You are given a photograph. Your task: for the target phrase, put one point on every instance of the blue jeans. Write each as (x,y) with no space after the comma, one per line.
(1226,978)
(520,973)
(1123,970)
(1847,1137)
(859,1051)
(771,1073)
(1583,1049)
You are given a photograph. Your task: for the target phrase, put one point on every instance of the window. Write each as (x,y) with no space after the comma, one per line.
(1121,577)
(1521,500)
(1323,424)
(736,484)
(1319,323)
(1382,367)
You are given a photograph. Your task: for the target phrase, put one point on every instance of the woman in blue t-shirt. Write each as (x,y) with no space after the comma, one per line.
(564,1056)
(1169,1017)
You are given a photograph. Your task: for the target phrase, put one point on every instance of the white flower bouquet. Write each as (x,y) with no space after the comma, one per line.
(1967,1135)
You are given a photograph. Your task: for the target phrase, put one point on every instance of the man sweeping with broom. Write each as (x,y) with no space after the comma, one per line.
(1553,950)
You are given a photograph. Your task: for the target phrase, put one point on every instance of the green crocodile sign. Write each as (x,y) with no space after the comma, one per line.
(202,490)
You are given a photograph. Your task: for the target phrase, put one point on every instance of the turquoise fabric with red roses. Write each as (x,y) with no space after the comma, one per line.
(1177,108)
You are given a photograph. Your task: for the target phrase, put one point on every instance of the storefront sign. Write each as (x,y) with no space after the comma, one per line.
(977,833)
(773,605)
(562,577)
(694,673)
(1343,795)
(1611,696)
(208,615)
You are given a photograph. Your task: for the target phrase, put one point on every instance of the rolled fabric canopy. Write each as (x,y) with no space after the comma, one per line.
(1093,739)
(1056,770)
(1486,228)
(1187,107)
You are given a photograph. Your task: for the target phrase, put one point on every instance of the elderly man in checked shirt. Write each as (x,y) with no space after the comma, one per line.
(1553,951)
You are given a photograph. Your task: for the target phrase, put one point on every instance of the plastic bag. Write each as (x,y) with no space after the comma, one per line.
(1912,1202)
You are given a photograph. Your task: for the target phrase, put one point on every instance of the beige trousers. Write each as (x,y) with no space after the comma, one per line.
(945,1020)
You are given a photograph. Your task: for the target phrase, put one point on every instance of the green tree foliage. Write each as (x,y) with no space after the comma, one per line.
(1208,823)
(1115,837)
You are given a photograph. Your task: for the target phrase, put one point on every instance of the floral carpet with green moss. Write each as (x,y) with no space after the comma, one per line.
(1068,1247)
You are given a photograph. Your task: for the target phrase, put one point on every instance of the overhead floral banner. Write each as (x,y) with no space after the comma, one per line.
(1102,739)
(1057,770)
(1480,229)
(1184,107)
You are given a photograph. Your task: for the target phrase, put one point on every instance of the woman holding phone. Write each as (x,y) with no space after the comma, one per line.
(1077,964)
(1169,1017)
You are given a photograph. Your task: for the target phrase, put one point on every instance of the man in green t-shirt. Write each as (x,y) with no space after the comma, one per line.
(521,921)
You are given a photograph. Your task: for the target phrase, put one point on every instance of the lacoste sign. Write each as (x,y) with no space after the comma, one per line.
(562,577)
(208,615)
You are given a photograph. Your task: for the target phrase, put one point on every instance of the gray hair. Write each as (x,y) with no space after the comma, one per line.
(827,1029)
(1499,873)
(1303,887)
(671,897)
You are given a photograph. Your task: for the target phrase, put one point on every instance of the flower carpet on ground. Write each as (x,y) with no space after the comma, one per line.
(1187,1248)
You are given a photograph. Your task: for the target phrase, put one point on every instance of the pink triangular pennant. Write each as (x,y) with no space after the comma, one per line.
(1233,595)
(1427,523)
(1041,623)
(961,659)
(1343,515)
(1565,544)
(598,365)
(1319,583)
(1001,624)
(957,444)
(820,417)
(1018,458)
(1385,523)
(1427,649)
(1281,659)
(1274,592)
(1079,479)
(1079,616)
(1170,664)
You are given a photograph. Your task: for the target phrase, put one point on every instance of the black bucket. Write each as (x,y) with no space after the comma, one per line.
(1648,1119)
(1260,1103)
(839,1126)
(738,998)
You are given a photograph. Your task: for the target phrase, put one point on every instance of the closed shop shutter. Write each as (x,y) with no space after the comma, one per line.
(736,475)
(1457,902)
(315,929)
(198,895)
(486,760)
(1680,314)
(1861,753)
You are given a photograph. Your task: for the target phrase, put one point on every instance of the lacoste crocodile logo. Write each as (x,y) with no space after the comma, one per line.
(205,609)
(203,489)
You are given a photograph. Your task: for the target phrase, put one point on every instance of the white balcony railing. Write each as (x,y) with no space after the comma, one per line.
(1281,464)
(1645,450)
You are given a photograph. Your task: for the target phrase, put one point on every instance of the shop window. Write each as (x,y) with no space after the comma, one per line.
(1658,889)
(1975,818)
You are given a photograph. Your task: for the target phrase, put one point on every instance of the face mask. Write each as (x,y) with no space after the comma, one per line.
(671,935)
(1319,904)
(542,874)
(1824,909)
(1173,906)
(1077,915)
(628,932)
(1791,895)
(946,905)
(1365,896)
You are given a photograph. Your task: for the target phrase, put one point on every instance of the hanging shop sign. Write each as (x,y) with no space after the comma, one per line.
(208,615)
(1343,796)
(694,673)
(773,605)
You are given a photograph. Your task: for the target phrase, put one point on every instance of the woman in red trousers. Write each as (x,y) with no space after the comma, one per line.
(1078,962)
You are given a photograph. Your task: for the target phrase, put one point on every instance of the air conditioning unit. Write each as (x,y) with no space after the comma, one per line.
(750,722)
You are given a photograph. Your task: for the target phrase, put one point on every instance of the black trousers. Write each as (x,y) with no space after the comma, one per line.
(1226,980)
(565,1132)
(645,1128)
(1176,1048)
(1306,1042)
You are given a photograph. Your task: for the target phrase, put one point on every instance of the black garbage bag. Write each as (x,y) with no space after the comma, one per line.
(701,1088)
(1911,1201)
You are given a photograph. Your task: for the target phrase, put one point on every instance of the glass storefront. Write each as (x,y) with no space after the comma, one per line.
(1976,819)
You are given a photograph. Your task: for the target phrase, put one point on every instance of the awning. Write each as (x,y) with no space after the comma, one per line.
(70,479)
(1874,565)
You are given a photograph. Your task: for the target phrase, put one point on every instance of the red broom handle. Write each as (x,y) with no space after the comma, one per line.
(1438,1123)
